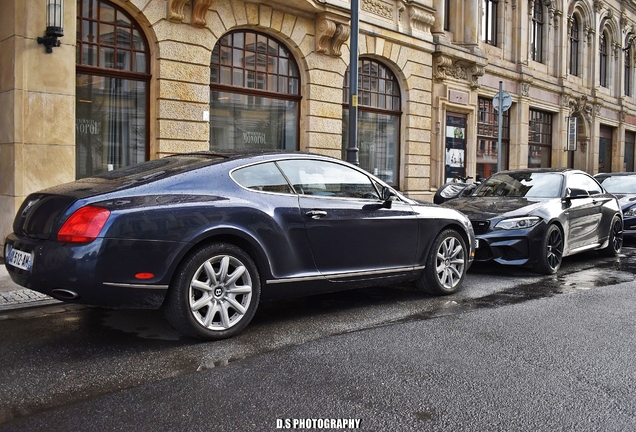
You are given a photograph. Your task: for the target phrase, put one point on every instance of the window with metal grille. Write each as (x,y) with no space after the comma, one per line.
(537,32)
(254,93)
(489,21)
(487,138)
(112,96)
(574,46)
(379,105)
(603,60)
(539,139)
(628,71)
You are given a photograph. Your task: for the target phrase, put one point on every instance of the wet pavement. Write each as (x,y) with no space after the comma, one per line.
(87,352)
(512,351)
(13,296)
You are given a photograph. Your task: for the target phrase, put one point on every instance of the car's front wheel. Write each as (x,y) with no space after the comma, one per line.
(214,293)
(446,264)
(615,238)
(551,253)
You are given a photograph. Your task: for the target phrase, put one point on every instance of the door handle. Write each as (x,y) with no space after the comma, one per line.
(316,214)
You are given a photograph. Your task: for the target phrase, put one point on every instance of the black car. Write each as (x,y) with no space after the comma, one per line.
(535,217)
(623,185)
(203,235)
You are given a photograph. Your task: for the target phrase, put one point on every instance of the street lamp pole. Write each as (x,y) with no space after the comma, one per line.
(352,149)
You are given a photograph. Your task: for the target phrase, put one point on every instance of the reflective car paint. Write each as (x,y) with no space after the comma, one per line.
(178,203)
(623,186)
(584,221)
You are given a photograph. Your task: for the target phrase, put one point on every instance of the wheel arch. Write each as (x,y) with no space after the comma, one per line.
(564,234)
(462,232)
(237,238)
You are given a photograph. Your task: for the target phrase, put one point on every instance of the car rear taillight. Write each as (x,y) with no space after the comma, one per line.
(84,225)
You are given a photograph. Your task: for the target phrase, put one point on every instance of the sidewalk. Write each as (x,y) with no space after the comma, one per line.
(13,296)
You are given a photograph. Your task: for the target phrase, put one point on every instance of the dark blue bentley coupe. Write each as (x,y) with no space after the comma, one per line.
(204,235)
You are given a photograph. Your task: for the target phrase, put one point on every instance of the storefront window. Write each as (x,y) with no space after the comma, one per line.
(111,123)
(628,158)
(487,139)
(540,139)
(455,141)
(254,94)
(379,105)
(605,149)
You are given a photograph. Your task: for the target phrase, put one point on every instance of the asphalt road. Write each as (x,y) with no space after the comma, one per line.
(512,351)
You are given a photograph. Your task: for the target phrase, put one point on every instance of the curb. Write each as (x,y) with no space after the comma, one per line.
(13,296)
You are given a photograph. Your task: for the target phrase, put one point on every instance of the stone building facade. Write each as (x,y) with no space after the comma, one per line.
(141,79)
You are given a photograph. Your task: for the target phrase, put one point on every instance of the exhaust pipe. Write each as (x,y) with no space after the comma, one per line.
(64,294)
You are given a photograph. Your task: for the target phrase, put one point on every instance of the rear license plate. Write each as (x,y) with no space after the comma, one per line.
(19,259)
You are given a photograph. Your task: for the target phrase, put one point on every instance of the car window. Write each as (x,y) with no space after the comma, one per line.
(153,170)
(584,182)
(624,184)
(322,178)
(522,184)
(262,177)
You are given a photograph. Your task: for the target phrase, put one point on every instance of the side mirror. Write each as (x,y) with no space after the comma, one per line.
(387,196)
(574,193)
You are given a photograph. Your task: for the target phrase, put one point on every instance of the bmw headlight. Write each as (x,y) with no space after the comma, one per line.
(518,222)
(631,212)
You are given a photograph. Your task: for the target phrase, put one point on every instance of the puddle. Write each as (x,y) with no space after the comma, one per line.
(579,275)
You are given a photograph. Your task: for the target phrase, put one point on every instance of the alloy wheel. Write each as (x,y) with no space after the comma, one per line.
(617,235)
(220,292)
(450,262)
(555,249)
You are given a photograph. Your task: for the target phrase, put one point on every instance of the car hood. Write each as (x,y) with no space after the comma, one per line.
(490,207)
(626,200)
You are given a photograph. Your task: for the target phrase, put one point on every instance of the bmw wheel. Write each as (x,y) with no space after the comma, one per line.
(446,264)
(214,293)
(615,238)
(551,253)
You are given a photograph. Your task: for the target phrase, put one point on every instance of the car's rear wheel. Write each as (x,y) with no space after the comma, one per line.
(551,253)
(446,264)
(214,293)
(615,238)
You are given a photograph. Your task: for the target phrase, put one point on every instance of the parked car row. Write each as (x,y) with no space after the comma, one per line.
(206,236)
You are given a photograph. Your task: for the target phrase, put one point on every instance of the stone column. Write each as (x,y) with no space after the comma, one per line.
(440,19)
(471,22)
(37,105)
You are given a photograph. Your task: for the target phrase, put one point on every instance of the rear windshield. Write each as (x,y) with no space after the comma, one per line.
(522,184)
(625,184)
(154,169)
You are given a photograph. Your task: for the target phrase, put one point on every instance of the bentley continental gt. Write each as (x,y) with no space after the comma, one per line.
(206,235)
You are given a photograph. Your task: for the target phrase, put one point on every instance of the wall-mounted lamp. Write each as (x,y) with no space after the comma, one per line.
(54,24)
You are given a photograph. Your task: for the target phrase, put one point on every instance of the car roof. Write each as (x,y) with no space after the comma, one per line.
(248,154)
(540,170)
(612,174)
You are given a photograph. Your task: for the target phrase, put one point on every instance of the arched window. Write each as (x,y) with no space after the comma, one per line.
(537,32)
(628,71)
(254,93)
(489,21)
(379,110)
(603,60)
(447,11)
(112,80)
(574,47)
